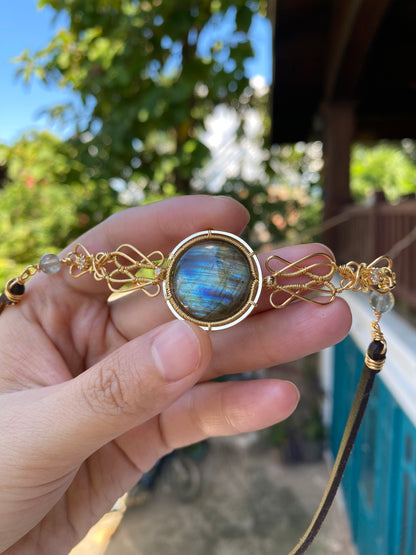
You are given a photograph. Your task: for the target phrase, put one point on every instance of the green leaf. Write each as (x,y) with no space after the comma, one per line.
(243,18)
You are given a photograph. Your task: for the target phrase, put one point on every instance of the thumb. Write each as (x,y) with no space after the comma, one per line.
(125,389)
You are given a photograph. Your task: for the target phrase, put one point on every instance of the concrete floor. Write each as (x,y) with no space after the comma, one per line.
(250,504)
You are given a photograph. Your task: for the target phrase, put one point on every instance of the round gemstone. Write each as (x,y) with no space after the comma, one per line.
(50,264)
(211,280)
(381,302)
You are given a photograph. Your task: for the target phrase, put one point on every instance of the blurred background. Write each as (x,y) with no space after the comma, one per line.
(305,111)
(136,101)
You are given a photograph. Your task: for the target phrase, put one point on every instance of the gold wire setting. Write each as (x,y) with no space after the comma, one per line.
(308,279)
(315,282)
(377,335)
(255,281)
(125,269)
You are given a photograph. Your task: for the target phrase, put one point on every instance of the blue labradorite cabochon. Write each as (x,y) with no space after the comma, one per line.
(211,281)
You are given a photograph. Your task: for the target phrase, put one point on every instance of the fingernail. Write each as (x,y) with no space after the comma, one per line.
(176,351)
(294,390)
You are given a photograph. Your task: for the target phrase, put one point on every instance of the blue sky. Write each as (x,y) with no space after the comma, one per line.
(23,26)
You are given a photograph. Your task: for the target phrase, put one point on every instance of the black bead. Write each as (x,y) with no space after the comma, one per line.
(17,288)
(377,350)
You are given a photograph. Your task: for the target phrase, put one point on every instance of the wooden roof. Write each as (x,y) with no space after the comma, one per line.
(361,51)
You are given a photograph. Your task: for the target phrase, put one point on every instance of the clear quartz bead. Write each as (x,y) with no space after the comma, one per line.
(50,264)
(381,302)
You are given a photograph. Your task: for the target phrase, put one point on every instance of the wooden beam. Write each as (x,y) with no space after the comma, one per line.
(354,26)
(344,13)
(367,23)
(339,126)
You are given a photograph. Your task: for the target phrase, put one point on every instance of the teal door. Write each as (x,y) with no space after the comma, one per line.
(380,480)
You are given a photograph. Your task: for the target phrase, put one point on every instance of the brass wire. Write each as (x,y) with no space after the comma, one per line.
(128,269)
(377,276)
(120,268)
(12,297)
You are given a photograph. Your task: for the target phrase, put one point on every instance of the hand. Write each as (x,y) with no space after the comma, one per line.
(94,393)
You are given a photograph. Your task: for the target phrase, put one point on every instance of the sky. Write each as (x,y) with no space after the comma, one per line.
(23,26)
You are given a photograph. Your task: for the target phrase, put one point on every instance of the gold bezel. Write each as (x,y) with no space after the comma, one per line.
(255,285)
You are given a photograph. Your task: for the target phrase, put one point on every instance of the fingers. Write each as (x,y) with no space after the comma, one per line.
(274,337)
(271,337)
(125,389)
(230,408)
(158,227)
(208,410)
(278,336)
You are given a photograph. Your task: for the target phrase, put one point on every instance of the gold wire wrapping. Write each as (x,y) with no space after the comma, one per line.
(376,365)
(308,279)
(28,272)
(376,332)
(377,335)
(12,297)
(377,276)
(125,269)
(316,281)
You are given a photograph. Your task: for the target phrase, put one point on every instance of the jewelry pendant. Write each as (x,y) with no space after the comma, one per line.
(214,278)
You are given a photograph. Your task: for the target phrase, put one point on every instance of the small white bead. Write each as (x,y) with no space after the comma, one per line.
(50,264)
(381,302)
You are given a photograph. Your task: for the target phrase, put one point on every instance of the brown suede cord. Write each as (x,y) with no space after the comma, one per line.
(347,442)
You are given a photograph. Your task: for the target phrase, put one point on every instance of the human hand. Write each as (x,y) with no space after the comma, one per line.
(94,393)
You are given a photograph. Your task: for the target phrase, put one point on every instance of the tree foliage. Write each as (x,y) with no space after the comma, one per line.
(47,198)
(383,168)
(148,73)
(287,203)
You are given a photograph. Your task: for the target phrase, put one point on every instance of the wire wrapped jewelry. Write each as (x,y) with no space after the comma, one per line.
(214,278)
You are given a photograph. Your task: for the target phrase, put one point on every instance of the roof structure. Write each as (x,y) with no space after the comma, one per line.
(335,51)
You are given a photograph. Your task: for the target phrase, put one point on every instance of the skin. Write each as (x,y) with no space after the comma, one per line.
(94,393)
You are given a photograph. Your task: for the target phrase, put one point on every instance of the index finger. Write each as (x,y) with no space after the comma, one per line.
(158,226)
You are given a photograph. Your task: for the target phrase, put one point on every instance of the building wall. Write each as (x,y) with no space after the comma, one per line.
(379,484)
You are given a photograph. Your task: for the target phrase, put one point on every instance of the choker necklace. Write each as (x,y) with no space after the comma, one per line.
(214,279)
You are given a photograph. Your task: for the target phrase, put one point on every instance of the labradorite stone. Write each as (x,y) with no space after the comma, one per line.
(211,281)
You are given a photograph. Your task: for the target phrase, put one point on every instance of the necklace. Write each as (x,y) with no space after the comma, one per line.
(214,279)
